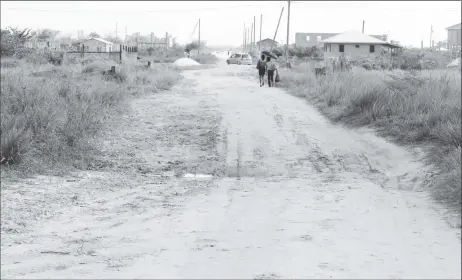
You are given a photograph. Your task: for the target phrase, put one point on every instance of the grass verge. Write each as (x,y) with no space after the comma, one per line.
(51,114)
(421,108)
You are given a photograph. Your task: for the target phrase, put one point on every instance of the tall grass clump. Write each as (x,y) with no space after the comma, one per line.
(412,107)
(51,114)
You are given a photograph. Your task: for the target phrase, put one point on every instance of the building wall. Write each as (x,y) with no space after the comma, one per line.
(266,45)
(454,38)
(350,50)
(302,40)
(127,57)
(43,44)
(95,46)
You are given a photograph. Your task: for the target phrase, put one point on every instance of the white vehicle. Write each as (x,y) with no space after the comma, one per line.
(240,59)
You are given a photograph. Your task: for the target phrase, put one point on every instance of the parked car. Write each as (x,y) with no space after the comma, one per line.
(240,58)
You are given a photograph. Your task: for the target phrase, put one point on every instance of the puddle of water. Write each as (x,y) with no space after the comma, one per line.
(198,176)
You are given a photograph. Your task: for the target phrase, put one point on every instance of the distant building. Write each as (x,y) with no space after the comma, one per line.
(315,39)
(97,45)
(39,44)
(355,44)
(454,37)
(266,44)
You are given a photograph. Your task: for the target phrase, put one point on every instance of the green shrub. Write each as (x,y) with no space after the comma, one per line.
(366,66)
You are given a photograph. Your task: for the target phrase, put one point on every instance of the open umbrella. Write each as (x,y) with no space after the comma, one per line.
(267,53)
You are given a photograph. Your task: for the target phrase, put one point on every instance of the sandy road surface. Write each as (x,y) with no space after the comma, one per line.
(293,197)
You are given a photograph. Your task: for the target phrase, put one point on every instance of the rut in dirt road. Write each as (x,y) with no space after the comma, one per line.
(292,197)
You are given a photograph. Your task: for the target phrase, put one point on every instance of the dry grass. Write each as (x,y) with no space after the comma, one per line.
(411,108)
(206,59)
(50,114)
(159,59)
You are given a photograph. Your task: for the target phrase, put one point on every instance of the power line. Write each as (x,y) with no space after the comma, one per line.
(148,11)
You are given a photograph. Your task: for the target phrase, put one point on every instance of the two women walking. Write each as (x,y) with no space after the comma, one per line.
(266,66)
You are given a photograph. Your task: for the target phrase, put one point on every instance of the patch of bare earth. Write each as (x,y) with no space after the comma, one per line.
(59,223)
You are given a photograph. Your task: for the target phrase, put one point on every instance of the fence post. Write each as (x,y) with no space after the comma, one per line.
(82,50)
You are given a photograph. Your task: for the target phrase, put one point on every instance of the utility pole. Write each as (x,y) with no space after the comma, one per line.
(254,32)
(199,44)
(243,43)
(125,41)
(166,40)
(277,27)
(249,35)
(431,35)
(363,26)
(261,23)
(152,40)
(116,30)
(288,25)
(251,38)
(245,38)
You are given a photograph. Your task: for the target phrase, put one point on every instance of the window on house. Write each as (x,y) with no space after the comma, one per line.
(330,47)
(357,46)
(318,38)
(308,37)
(371,48)
(341,48)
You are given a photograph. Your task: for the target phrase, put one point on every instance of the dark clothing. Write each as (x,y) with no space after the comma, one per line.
(270,77)
(261,65)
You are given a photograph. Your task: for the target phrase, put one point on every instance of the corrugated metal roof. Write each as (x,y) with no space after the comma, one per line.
(455,26)
(353,37)
(101,40)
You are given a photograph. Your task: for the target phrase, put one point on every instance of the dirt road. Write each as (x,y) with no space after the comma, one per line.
(291,196)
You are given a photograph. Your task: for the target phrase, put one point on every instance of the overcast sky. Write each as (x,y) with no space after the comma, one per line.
(222,22)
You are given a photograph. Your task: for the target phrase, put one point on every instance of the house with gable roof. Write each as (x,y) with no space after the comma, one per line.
(355,44)
(98,45)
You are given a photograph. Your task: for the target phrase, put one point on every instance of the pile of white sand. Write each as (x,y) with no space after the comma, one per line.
(454,63)
(184,61)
